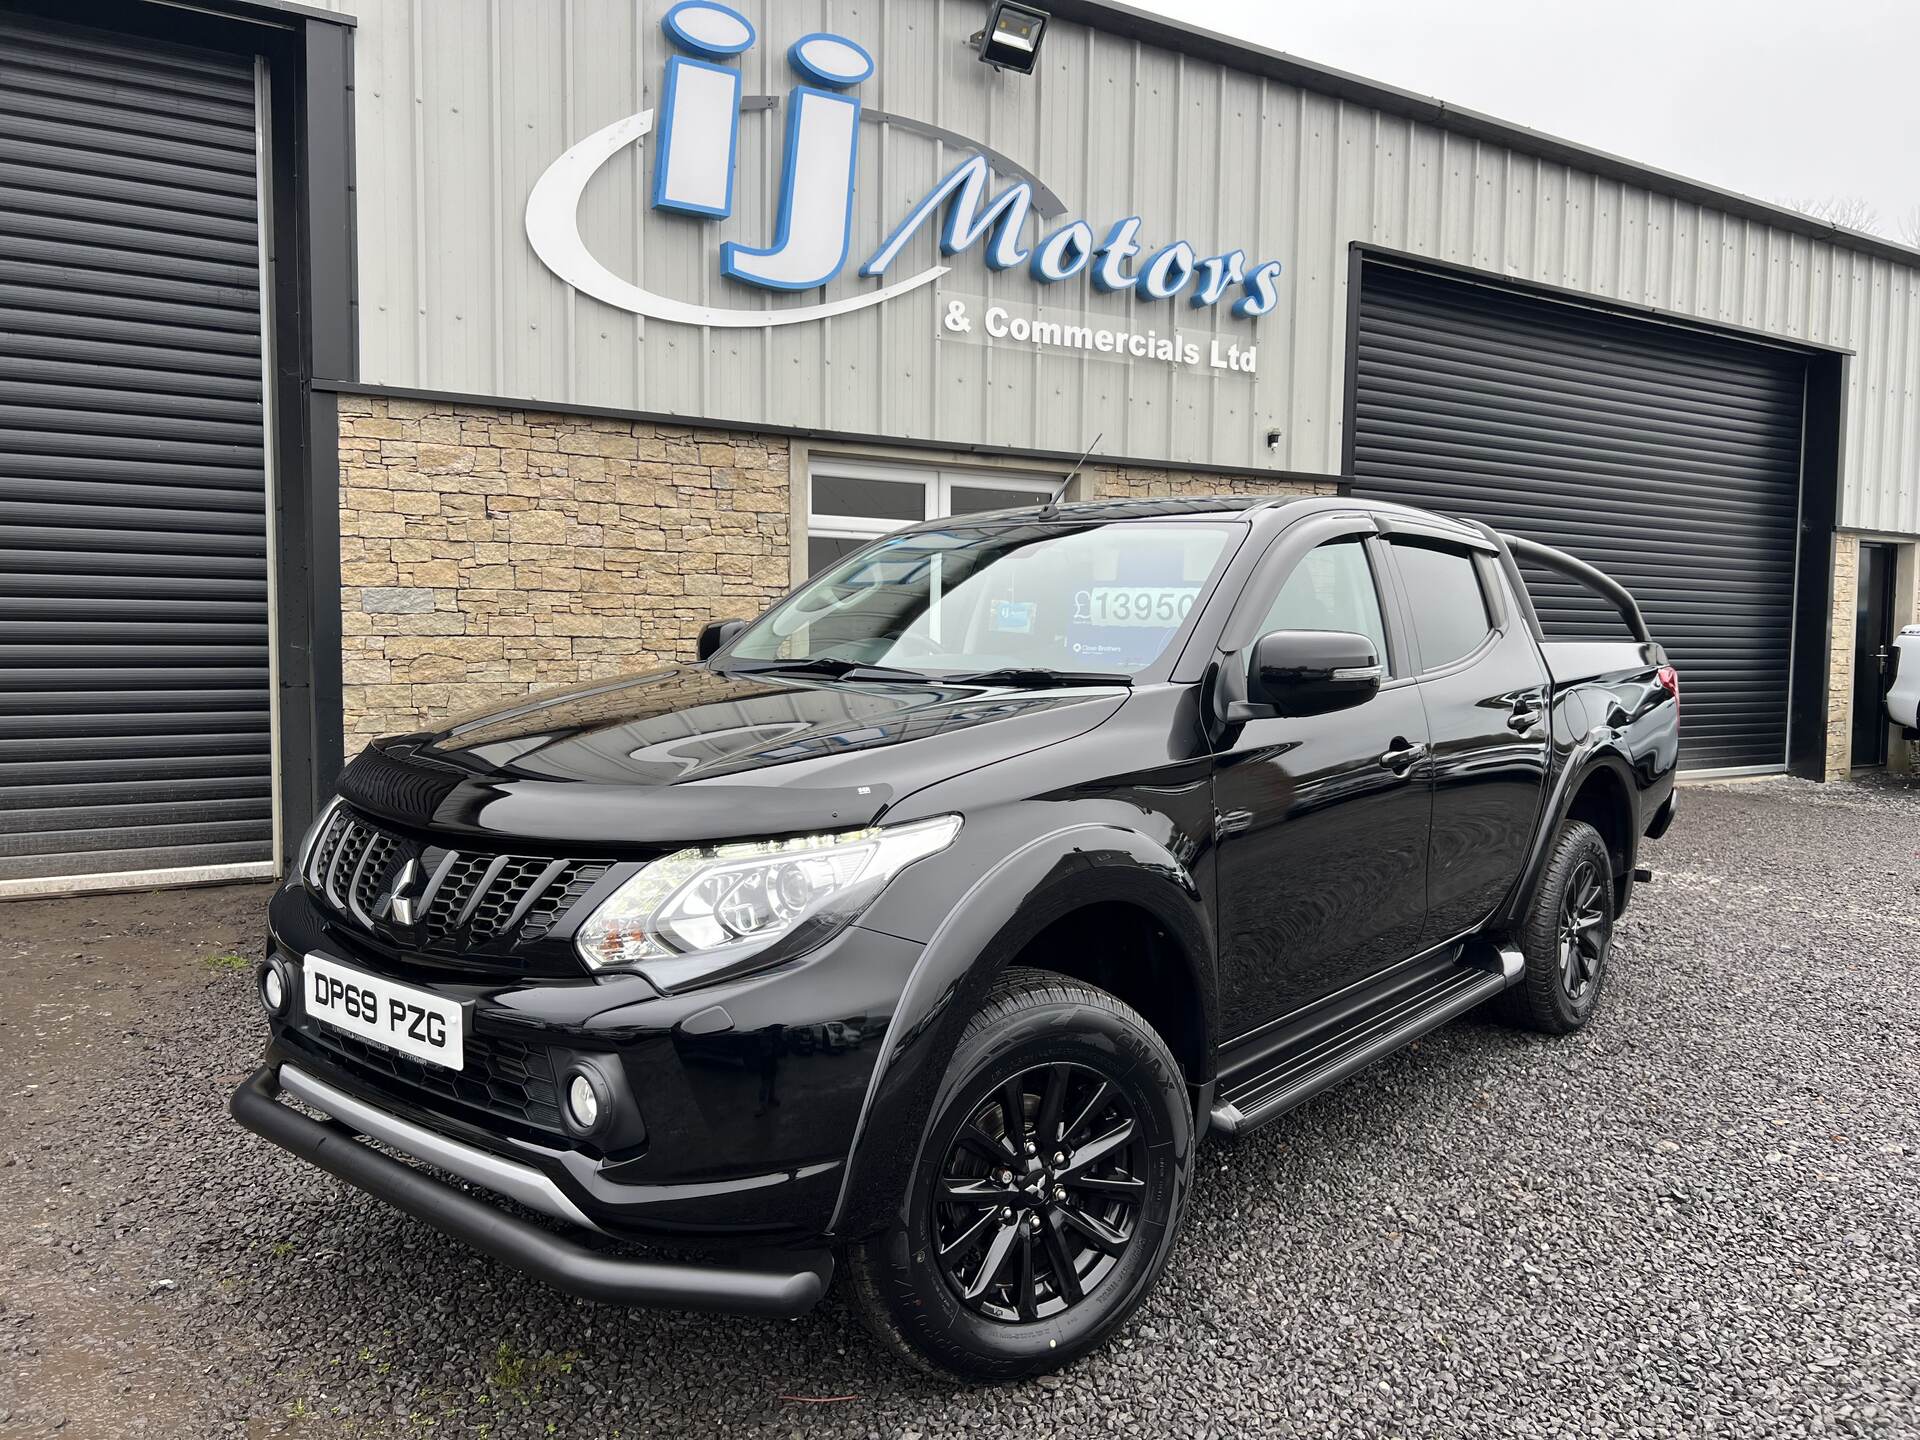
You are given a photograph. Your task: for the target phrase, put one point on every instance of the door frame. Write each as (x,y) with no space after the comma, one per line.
(1244,1050)
(1889,606)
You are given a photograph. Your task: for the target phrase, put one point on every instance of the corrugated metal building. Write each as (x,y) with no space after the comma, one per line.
(277,279)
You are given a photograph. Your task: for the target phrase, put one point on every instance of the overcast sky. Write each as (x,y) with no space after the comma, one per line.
(1784,100)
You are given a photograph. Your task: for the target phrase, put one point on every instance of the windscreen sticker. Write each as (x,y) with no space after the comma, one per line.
(1013,617)
(1127,625)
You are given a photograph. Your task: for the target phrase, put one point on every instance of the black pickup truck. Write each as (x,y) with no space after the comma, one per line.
(930,920)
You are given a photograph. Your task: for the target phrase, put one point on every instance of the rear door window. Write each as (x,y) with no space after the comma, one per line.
(1450,617)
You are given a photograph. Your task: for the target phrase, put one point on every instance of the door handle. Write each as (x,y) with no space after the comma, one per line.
(1524,718)
(1403,757)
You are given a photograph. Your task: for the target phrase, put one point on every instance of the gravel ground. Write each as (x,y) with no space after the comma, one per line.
(1699,1216)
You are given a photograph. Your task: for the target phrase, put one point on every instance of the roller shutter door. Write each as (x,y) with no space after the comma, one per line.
(134,689)
(1668,457)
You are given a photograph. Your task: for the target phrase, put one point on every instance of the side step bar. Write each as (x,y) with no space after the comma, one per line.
(1324,1060)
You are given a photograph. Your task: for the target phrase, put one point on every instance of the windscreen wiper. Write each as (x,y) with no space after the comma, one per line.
(832,667)
(1034,677)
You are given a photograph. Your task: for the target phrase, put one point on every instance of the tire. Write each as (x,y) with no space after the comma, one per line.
(1034,1032)
(1560,985)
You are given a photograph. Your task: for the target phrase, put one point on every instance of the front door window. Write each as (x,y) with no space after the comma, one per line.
(1331,589)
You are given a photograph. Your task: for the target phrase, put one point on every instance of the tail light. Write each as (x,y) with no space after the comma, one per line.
(1669,679)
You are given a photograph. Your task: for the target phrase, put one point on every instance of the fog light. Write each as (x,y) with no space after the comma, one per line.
(583,1102)
(273,988)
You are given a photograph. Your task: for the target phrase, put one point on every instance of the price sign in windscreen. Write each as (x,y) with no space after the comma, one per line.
(1123,627)
(1160,607)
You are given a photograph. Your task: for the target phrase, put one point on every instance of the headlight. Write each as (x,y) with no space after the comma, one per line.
(695,913)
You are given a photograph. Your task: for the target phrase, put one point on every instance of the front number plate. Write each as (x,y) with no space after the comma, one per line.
(414,1022)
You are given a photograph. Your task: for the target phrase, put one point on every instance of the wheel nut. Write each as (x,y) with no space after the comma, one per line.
(1007,1213)
(1059,1194)
(1031,1147)
(1059,1157)
(1033,1220)
(1005,1177)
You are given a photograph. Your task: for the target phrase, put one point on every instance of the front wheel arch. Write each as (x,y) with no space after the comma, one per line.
(1127,949)
(936,1316)
(987,930)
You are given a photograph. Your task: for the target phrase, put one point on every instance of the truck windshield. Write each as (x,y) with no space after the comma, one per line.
(1030,597)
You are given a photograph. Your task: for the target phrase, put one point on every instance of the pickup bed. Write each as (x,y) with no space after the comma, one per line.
(919,930)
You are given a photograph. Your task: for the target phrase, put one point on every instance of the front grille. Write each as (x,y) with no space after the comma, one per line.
(506,1078)
(328,847)
(456,888)
(510,886)
(559,896)
(473,900)
(336,881)
(376,861)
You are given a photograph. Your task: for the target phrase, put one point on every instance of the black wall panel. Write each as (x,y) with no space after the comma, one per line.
(134,673)
(1668,457)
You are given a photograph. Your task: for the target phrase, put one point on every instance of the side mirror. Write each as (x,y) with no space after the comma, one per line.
(715,634)
(1311,672)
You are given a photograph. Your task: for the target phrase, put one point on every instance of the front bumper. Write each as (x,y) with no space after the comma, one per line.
(789,1285)
(735,1106)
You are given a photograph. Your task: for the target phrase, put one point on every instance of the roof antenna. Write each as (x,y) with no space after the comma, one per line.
(1074,471)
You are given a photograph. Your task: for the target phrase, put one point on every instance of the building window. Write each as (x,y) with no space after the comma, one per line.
(850,503)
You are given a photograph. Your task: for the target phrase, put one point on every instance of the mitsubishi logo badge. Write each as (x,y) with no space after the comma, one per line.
(398,904)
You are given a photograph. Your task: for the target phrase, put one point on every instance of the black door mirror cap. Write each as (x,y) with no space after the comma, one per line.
(1296,673)
(715,635)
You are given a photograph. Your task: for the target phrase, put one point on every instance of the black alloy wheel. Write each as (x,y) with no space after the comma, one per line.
(1047,1191)
(1586,924)
(1040,1195)
(1566,936)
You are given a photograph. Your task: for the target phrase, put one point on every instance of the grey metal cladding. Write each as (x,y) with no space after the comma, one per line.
(134,698)
(461,104)
(1668,457)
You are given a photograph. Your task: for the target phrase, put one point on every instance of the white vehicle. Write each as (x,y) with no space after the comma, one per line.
(1903,700)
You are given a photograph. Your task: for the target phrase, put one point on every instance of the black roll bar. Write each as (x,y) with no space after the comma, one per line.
(1577,569)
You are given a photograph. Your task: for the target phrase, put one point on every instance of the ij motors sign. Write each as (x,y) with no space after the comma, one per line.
(694,153)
